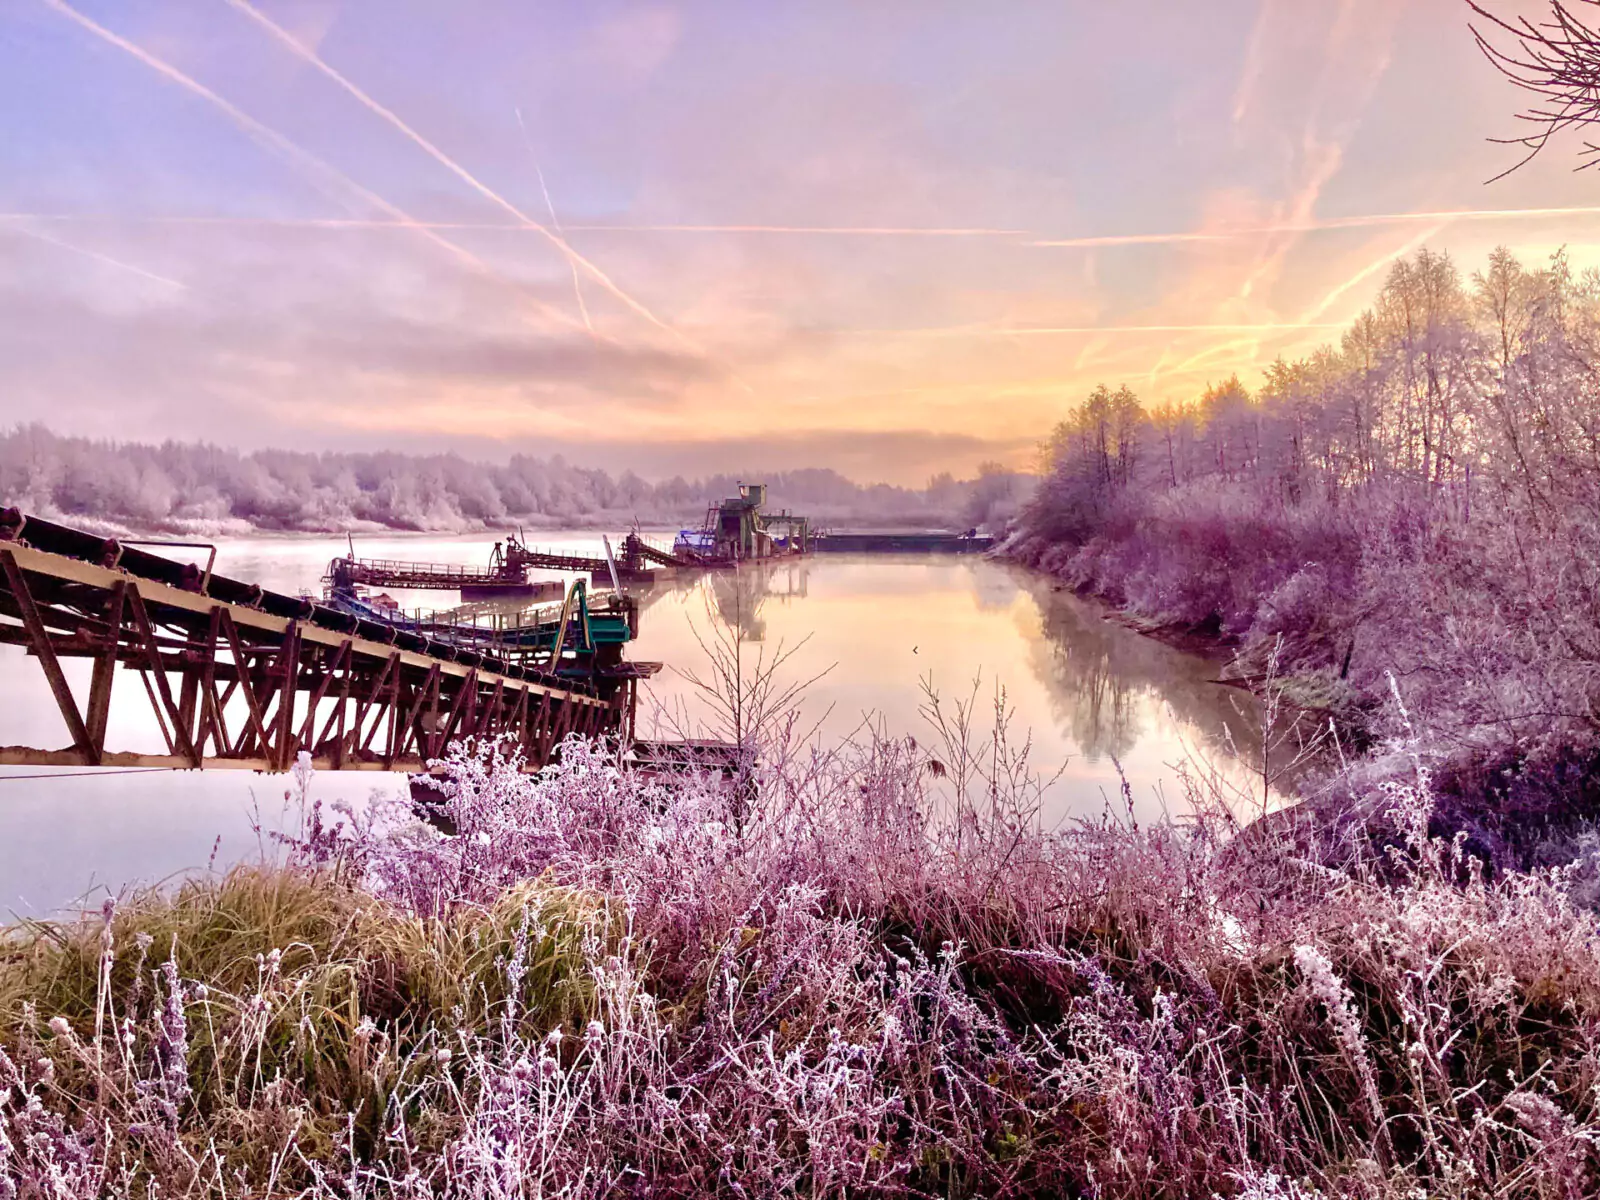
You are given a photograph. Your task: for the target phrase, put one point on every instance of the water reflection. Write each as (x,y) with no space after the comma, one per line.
(737,597)
(1094,695)
(1105,683)
(1101,677)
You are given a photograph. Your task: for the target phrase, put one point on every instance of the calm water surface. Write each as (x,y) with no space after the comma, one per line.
(1091,694)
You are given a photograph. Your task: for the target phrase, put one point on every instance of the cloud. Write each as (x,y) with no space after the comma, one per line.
(904,456)
(413,348)
(1255,53)
(22,230)
(630,46)
(322,175)
(433,151)
(213,361)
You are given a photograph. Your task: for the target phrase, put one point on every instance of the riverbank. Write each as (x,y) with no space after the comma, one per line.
(909,536)
(1392,621)
(573,995)
(205,490)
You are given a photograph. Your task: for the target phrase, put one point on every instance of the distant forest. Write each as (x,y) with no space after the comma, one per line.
(199,487)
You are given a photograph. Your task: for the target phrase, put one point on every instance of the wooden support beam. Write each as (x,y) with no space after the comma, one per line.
(229,657)
(410,731)
(289,665)
(257,724)
(516,726)
(189,703)
(342,707)
(212,706)
(329,667)
(28,756)
(40,641)
(489,721)
(462,715)
(560,726)
(400,703)
(388,678)
(538,743)
(105,669)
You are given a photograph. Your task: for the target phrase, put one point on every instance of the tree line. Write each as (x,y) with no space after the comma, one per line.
(1449,387)
(198,486)
(1421,500)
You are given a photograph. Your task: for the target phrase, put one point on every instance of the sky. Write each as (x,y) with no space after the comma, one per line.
(893,238)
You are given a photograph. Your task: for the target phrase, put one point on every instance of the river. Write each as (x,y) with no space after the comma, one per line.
(876,632)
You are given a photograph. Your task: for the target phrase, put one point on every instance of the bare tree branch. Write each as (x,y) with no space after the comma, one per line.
(1557,61)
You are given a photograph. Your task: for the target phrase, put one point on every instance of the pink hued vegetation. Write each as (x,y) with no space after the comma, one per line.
(870,972)
(1420,503)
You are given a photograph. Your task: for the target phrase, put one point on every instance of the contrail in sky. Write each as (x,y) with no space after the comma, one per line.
(1369,271)
(1375,220)
(1371,220)
(97,256)
(305,160)
(509,227)
(1068,330)
(577,283)
(812,230)
(1193,363)
(310,56)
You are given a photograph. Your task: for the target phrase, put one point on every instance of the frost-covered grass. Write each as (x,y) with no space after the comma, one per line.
(878,976)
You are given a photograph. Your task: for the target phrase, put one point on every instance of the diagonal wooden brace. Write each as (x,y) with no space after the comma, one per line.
(42,647)
(156,669)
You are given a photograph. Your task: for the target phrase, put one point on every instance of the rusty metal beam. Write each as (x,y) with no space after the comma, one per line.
(254,620)
(180,741)
(29,756)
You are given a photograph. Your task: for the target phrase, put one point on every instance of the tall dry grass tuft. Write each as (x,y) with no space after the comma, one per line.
(247,1024)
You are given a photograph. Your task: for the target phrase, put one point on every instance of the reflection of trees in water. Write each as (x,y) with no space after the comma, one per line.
(1099,675)
(1084,671)
(737,597)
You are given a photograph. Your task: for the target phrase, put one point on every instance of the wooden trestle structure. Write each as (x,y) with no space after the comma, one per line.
(239,677)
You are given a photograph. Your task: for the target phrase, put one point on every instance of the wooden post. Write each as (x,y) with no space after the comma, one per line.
(105,668)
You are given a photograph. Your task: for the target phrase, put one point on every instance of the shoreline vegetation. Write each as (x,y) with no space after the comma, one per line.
(1396,535)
